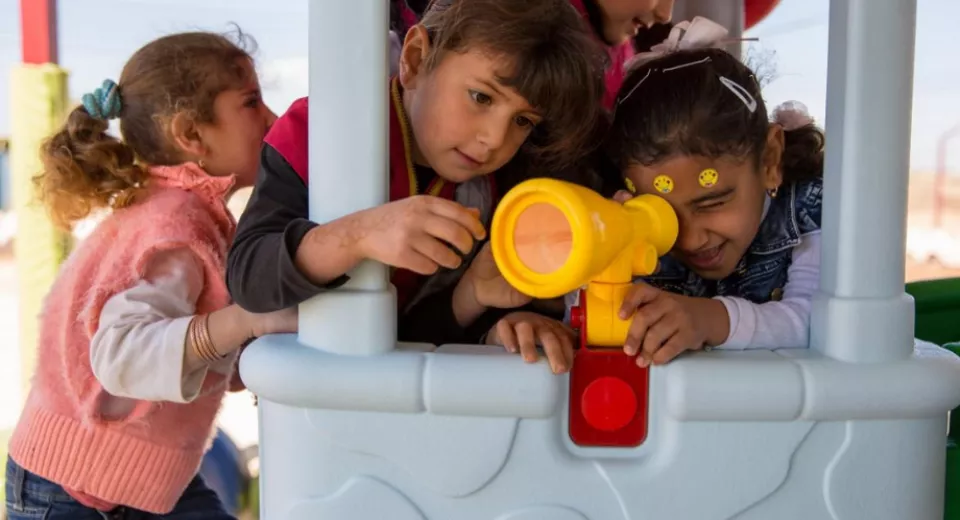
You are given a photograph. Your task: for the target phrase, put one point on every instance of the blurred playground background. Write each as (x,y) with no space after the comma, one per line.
(791,46)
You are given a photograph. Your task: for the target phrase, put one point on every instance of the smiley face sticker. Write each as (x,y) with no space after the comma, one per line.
(663,184)
(708,178)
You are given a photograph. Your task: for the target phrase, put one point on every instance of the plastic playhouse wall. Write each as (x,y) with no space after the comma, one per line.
(465,463)
(473,433)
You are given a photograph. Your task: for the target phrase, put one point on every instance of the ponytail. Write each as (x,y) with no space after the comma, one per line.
(803,143)
(85,169)
(802,158)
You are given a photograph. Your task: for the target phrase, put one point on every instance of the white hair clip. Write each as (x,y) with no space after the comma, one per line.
(748,100)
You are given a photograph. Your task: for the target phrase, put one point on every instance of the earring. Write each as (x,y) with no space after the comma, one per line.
(773,192)
(200,163)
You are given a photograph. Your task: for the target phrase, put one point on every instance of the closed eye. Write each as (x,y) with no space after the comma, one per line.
(712,201)
(711,206)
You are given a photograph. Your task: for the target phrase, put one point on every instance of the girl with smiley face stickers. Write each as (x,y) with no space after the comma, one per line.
(691,127)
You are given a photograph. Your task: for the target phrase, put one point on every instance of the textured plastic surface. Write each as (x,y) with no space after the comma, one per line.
(750,435)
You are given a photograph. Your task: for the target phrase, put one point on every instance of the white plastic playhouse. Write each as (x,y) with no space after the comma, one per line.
(354,426)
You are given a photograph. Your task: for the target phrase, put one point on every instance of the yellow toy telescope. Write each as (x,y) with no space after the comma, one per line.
(551,237)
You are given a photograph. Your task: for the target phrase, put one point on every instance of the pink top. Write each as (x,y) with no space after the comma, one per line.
(111,449)
(618,54)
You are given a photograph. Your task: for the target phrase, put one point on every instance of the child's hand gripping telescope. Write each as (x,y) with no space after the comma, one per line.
(550,238)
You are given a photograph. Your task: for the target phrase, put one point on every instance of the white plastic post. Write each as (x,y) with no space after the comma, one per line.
(729,14)
(348,167)
(861,313)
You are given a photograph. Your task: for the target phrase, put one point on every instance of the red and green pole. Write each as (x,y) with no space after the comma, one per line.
(37,106)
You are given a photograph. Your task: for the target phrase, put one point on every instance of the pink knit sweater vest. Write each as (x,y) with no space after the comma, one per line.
(145,459)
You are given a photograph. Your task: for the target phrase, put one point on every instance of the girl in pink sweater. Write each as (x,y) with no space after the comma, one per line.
(138,340)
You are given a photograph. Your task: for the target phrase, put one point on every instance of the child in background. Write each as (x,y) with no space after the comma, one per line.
(614,23)
(138,339)
(691,127)
(481,83)
(404,14)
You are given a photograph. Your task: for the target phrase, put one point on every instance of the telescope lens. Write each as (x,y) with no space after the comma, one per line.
(542,238)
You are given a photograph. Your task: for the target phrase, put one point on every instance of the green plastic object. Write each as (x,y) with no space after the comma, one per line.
(938,321)
(951,509)
(937,310)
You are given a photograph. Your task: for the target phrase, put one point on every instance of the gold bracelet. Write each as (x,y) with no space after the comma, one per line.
(200,339)
(194,339)
(207,341)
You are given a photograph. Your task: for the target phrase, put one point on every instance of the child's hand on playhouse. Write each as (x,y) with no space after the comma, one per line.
(523,331)
(490,289)
(277,322)
(419,233)
(664,324)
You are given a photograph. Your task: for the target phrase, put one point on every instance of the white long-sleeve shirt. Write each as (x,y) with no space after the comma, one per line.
(774,324)
(784,323)
(138,349)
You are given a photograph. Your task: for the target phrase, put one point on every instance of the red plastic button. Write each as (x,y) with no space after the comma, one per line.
(608,404)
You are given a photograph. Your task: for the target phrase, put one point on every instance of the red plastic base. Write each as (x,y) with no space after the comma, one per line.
(608,399)
(609,394)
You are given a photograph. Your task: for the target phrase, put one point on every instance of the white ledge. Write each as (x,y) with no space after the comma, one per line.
(800,384)
(761,385)
(414,378)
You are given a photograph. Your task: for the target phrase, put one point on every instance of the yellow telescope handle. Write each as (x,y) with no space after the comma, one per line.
(550,237)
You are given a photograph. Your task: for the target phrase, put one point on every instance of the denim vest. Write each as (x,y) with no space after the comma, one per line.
(762,272)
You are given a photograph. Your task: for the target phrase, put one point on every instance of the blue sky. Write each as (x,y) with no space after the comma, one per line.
(94,43)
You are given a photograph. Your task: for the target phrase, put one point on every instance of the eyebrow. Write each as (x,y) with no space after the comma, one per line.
(531,110)
(712,196)
(492,86)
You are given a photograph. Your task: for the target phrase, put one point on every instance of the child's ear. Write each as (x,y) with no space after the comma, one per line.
(186,136)
(413,55)
(772,157)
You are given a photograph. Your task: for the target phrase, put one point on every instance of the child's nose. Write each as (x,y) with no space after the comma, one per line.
(492,133)
(269,116)
(692,238)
